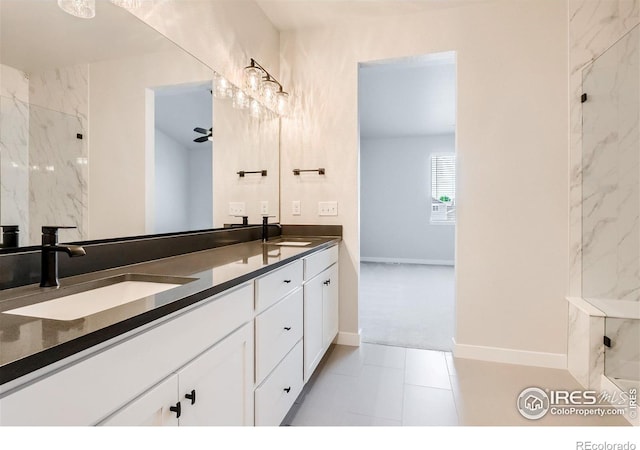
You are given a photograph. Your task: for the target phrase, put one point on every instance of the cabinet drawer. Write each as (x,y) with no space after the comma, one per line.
(277,331)
(275,285)
(316,263)
(99,385)
(276,395)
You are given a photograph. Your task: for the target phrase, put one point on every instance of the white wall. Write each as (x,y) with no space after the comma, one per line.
(512,146)
(172,185)
(241,142)
(395,194)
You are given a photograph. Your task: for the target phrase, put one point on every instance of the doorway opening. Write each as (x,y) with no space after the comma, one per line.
(183,157)
(407,119)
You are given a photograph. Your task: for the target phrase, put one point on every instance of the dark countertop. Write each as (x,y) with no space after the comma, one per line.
(28,344)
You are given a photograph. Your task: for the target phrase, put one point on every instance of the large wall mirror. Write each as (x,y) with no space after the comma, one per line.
(98,124)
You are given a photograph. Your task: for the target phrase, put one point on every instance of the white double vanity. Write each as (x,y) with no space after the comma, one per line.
(240,357)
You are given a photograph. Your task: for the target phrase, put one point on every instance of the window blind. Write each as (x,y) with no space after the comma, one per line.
(443,187)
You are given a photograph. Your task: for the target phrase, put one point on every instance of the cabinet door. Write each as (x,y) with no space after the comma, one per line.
(313,348)
(151,408)
(330,305)
(216,388)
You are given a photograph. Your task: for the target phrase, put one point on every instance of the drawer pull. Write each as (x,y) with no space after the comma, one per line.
(327,282)
(287,281)
(176,409)
(191,396)
(287,389)
(287,328)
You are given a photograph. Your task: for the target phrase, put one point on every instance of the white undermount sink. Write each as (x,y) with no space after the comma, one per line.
(291,243)
(100,295)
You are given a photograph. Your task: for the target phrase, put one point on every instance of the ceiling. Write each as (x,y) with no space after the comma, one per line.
(408,97)
(179,109)
(298,14)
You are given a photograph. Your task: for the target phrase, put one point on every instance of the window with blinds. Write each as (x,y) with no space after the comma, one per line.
(443,188)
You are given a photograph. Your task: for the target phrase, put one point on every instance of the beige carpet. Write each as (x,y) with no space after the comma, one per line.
(407,305)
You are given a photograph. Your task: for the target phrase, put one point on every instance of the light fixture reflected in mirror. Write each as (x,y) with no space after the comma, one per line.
(127,4)
(85,9)
(255,108)
(240,99)
(222,87)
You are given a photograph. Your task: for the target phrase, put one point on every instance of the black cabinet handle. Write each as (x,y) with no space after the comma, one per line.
(191,396)
(327,282)
(176,409)
(287,389)
(287,328)
(287,281)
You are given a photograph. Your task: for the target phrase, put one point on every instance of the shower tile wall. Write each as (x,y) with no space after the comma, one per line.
(58,183)
(585,355)
(611,173)
(14,149)
(594,26)
(623,358)
(43,171)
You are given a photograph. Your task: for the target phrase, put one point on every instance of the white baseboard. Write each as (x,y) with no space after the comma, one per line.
(350,339)
(430,262)
(510,356)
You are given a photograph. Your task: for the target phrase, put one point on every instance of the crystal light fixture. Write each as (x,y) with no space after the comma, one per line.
(253,79)
(259,82)
(85,9)
(269,90)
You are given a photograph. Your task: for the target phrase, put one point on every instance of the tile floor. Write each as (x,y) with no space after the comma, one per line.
(383,385)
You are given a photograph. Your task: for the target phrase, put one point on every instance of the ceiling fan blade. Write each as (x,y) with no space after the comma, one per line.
(201,139)
(200,130)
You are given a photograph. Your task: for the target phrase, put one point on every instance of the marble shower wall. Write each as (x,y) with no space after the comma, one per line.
(58,182)
(43,170)
(14,149)
(623,358)
(594,26)
(611,173)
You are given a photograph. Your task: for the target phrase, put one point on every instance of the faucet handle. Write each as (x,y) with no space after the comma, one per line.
(50,234)
(53,229)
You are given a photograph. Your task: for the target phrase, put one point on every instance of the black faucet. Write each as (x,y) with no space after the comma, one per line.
(10,235)
(265,227)
(50,249)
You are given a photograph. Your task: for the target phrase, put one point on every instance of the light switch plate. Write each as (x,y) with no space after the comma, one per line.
(295,207)
(327,208)
(236,209)
(264,207)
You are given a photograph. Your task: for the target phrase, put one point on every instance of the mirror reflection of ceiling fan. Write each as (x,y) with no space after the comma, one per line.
(207,134)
